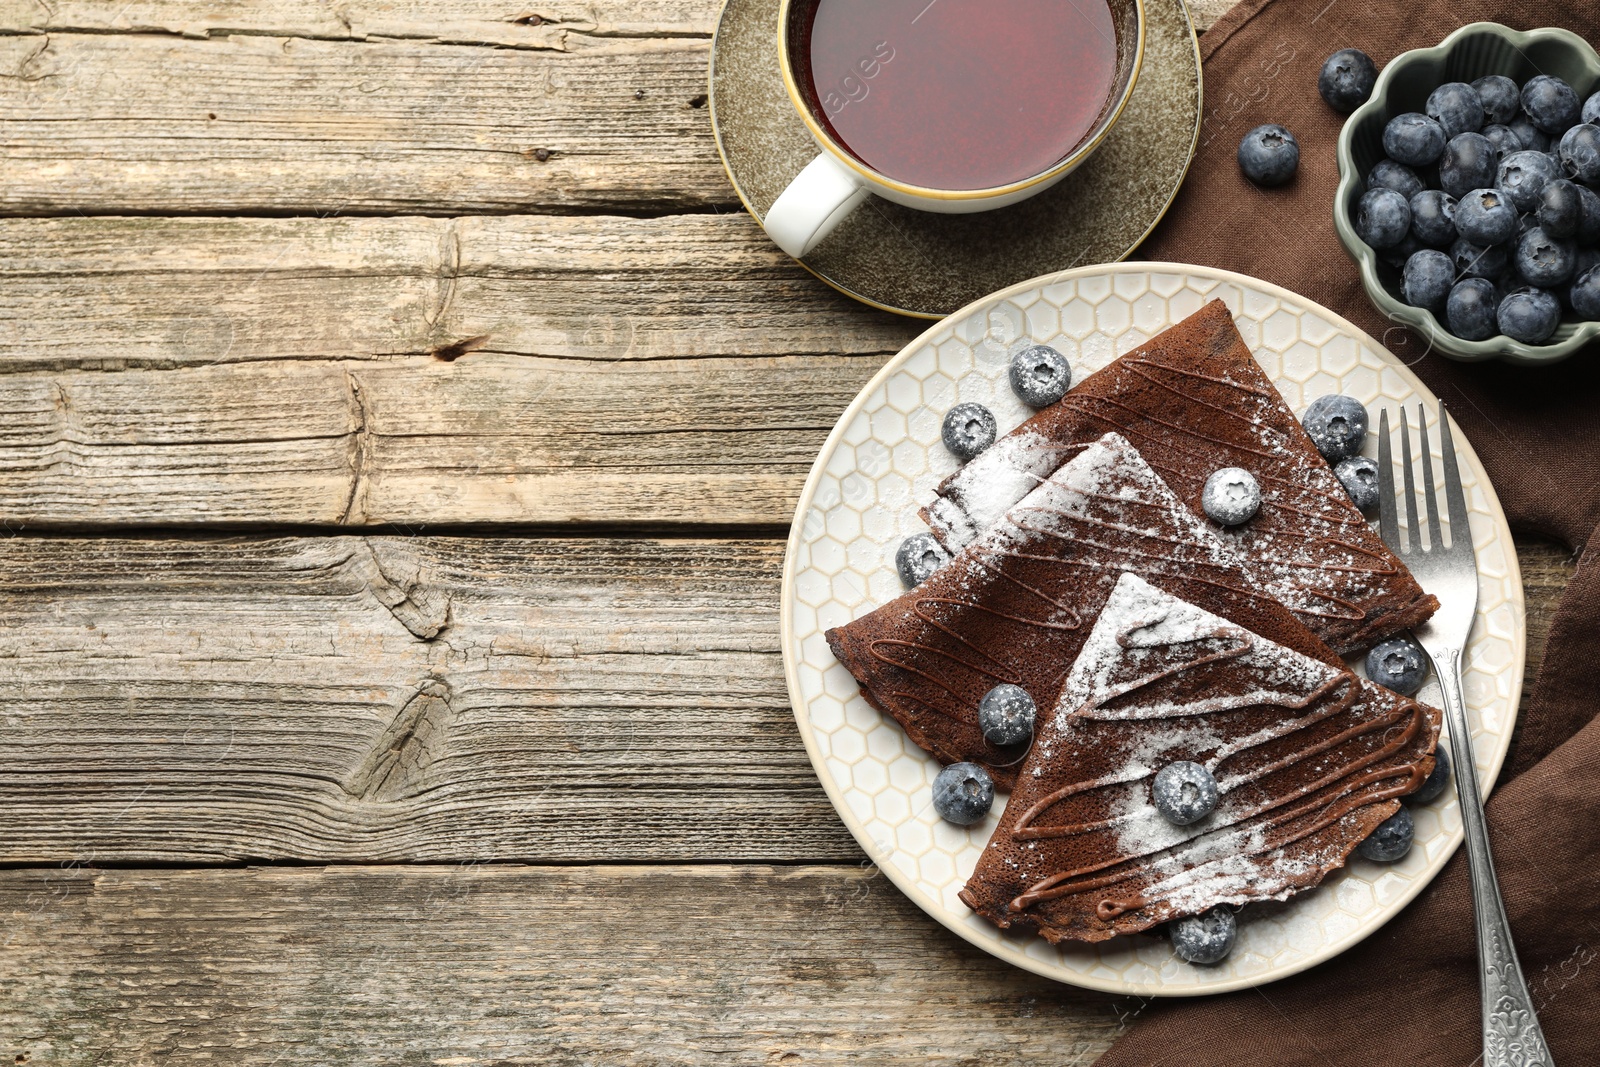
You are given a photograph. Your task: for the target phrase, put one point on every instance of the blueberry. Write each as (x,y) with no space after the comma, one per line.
(1337,425)
(1485,217)
(1470,310)
(1560,210)
(1585,295)
(1550,103)
(1469,162)
(1587,258)
(1504,139)
(1398,664)
(1479,261)
(1269,155)
(1428,276)
(1580,153)
(1589,226)
(1437,779)
(1359,476)
(1231,496)
(1040,375)
(1533,139)
(963,793)
(1499,96)
(918,557)
(1433,218)
(1204,939)
(1413,139)
(1006,715)
(1387,174)
(1396,255)
(1184,792)
(969,429)
(1457,107)
(1382,218)
(1391,840)
(1529,316)
(1545,261)
(1591,109)
(1522,177)
(1347,78)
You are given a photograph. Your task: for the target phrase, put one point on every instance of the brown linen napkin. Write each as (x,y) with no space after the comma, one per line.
(1409,994)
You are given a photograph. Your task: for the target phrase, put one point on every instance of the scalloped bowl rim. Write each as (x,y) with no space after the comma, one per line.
(1367,258)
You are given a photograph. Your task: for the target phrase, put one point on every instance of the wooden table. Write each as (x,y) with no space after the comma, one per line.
(405,421)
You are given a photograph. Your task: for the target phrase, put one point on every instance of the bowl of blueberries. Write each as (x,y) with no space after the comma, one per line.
(1469,191)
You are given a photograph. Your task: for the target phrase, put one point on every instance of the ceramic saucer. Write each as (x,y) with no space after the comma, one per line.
(928,265)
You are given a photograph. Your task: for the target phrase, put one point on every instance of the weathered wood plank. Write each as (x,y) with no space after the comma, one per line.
(111,293)
(409,699)
(353,699)
(167,107)
(542,26)
(485,439)
(513,965)
(150,123)
(279,370)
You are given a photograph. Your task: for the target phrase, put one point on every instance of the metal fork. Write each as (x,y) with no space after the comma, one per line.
(1511,1034)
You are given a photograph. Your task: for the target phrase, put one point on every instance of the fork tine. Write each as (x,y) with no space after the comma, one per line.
(1435,532)
(1388,517)
(1413,533)
(1455,496)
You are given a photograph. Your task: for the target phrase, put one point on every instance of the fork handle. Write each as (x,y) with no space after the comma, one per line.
(1511,1034)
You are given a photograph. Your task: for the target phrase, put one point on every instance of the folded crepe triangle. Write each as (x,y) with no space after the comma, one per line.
(1308,759)
(1017,604)
(1194,400)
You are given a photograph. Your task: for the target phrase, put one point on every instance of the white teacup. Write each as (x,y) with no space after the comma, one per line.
(837,181)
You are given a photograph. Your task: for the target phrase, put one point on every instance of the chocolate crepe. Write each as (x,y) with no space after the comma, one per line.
(1194,400)
(1017,603)
(1308,760)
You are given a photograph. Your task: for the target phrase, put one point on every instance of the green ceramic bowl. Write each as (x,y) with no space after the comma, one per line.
(1471,52)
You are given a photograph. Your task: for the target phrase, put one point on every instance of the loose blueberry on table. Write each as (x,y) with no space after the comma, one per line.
(1347,79)
(969,429)
(918,557)
(1231,496)
(1391,840)
(1399,664)
(1184,792)
(963,794)
(1269,155)
(1040,375)
(1337,425)
(1434,784)
(1204,939)
(1006,715)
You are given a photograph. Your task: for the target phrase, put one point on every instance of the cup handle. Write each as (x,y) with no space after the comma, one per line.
(816,201)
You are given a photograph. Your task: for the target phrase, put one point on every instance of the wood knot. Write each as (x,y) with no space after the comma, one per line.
(397,763)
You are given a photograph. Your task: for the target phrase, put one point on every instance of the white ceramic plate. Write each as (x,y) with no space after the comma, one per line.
(882,462)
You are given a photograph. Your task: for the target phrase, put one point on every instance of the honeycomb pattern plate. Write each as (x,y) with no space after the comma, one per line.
(882,462)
